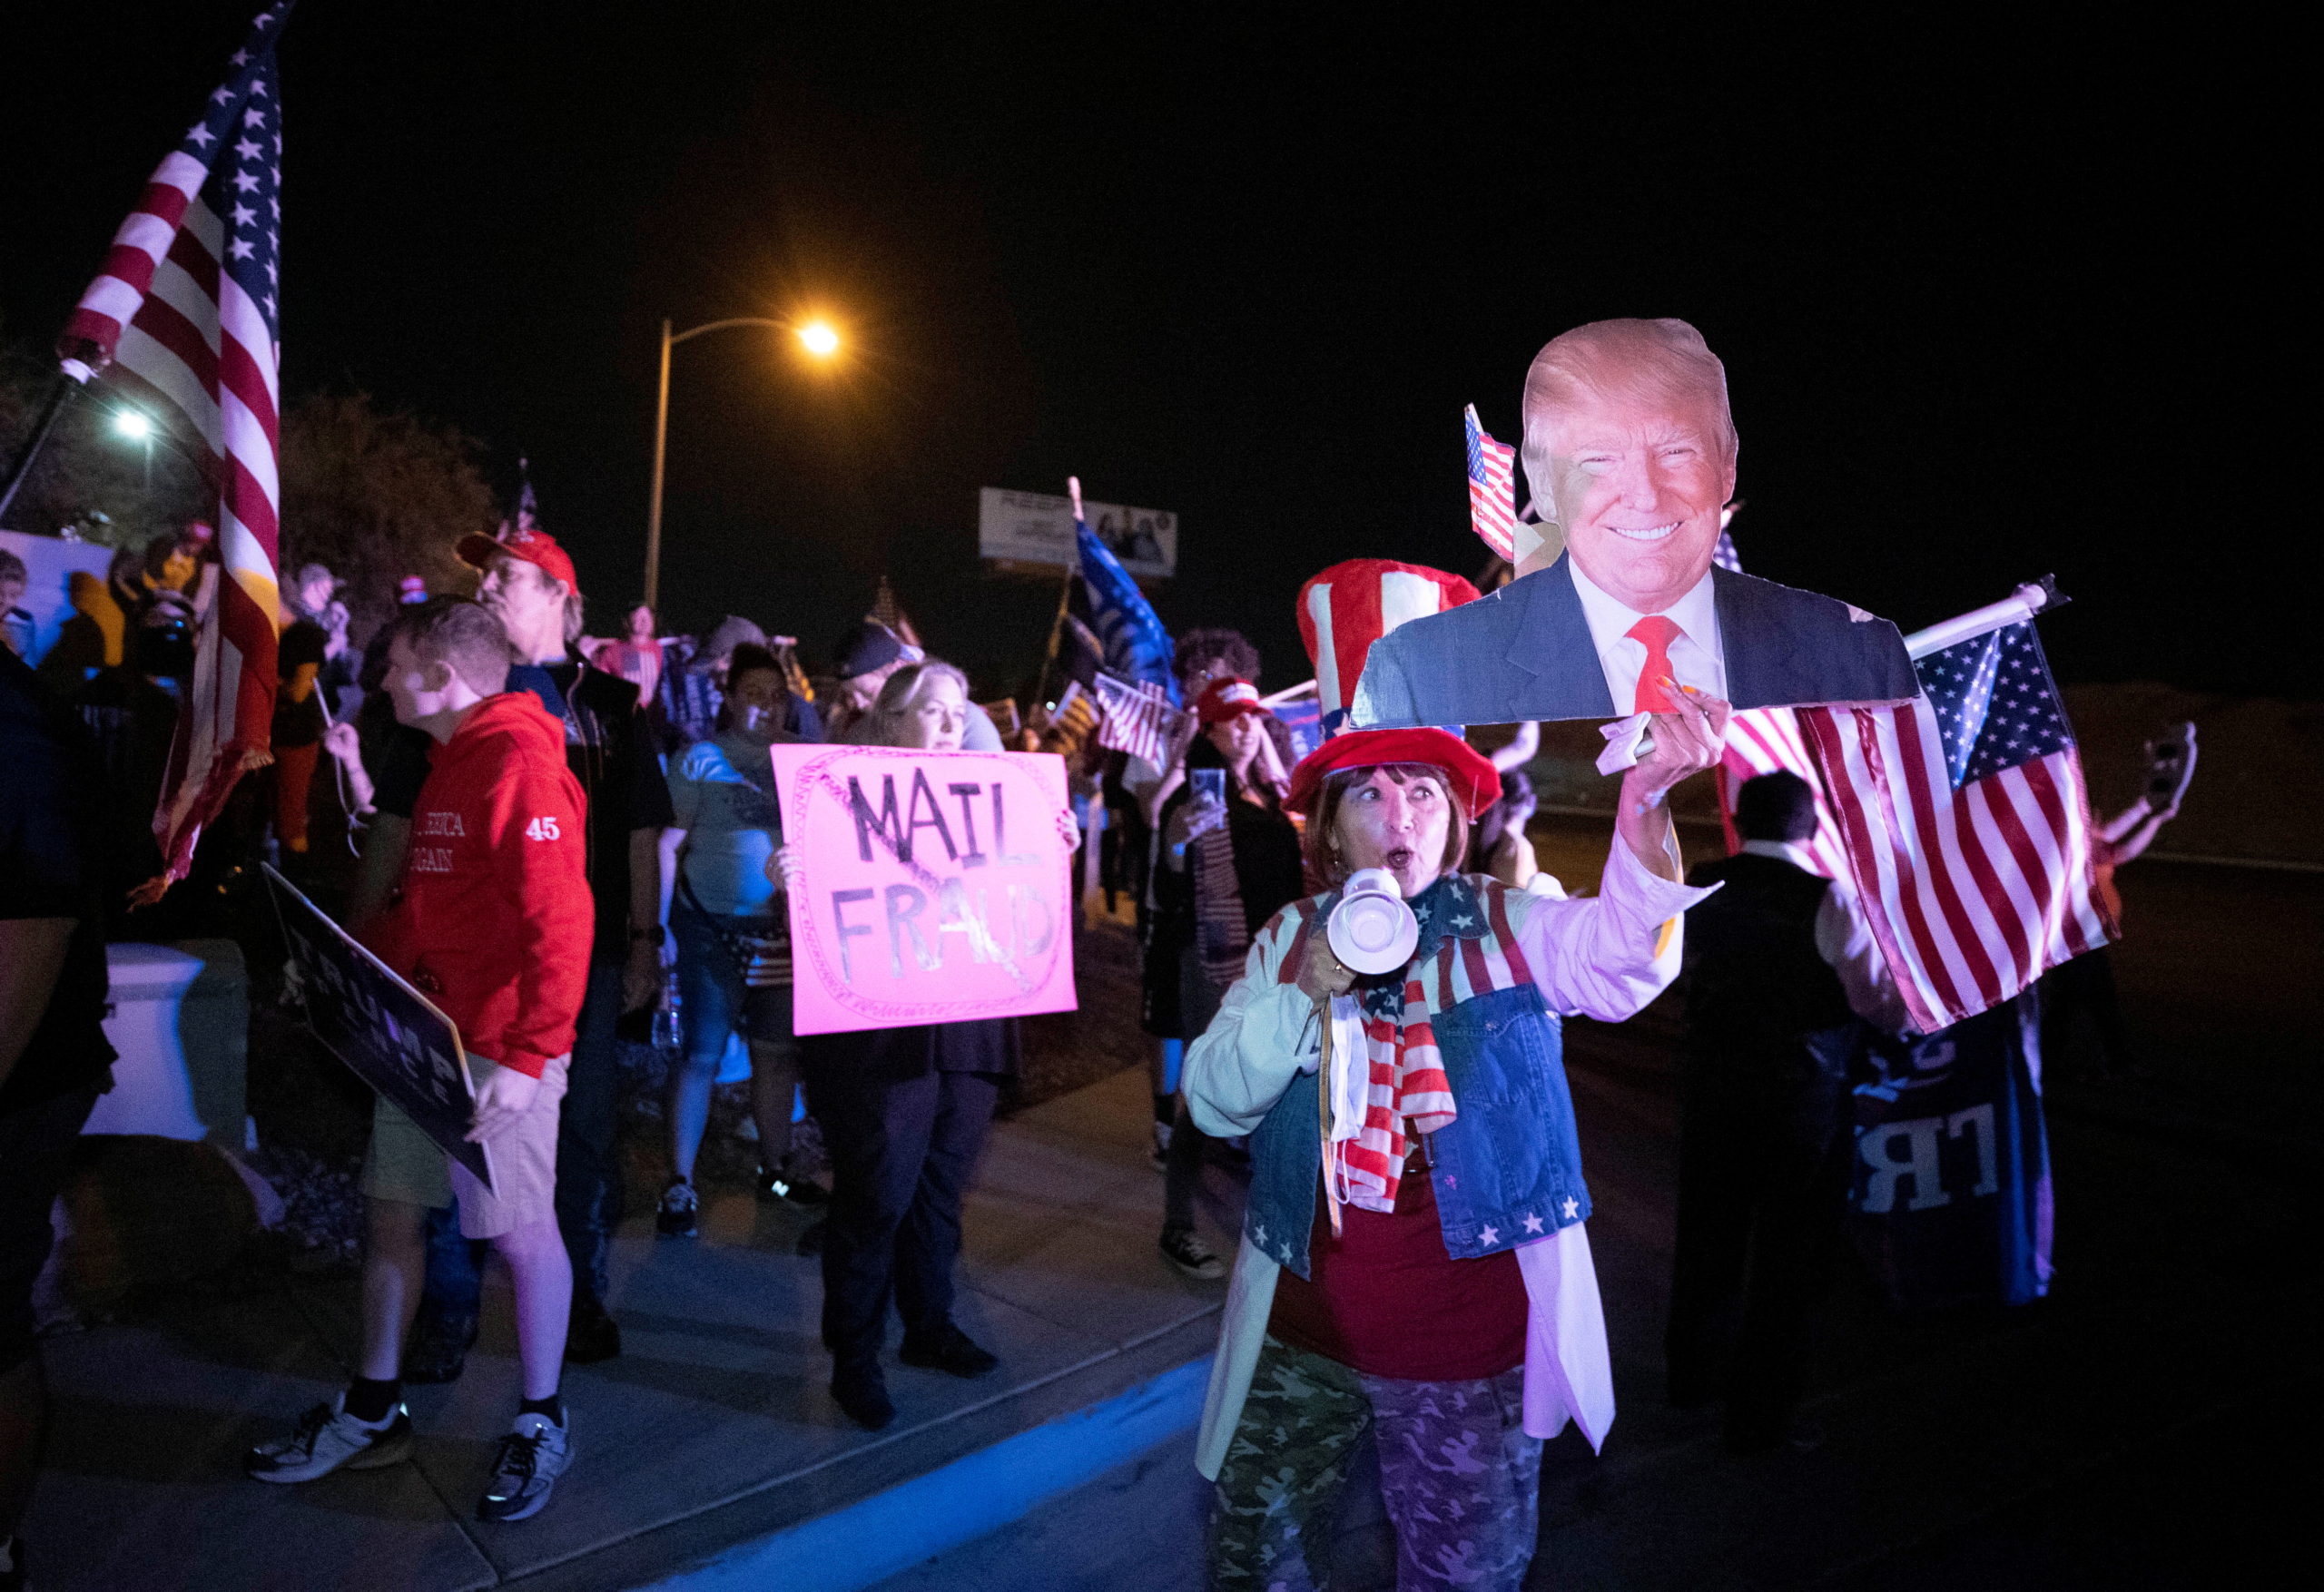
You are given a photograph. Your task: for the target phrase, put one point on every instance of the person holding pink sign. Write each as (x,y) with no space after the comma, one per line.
(903,1111)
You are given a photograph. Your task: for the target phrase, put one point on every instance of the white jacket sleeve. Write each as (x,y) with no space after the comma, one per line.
(1844,941)
(1605,956)
(1265,1034)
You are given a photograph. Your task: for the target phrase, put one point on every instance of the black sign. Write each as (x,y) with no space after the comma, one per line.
(381,1027)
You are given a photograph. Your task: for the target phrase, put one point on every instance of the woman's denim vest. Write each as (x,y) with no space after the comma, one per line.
(1507,1170)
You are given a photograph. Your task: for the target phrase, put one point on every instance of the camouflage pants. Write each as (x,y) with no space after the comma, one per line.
(1460,1480)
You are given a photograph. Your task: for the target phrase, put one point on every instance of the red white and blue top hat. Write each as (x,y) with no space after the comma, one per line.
(1342,612)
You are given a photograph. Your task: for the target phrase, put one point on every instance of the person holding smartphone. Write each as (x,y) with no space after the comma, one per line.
(2083,989)
(1230,861)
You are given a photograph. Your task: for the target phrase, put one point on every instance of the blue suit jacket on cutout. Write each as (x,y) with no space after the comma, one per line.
(1524,652)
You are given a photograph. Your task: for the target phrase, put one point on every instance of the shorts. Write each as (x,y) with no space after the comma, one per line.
(713,995)
(36,1155)
(405,1165)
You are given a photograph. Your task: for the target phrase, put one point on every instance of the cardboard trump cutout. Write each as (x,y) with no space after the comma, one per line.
(1630,452)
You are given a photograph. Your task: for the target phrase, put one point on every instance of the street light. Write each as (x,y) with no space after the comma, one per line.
(818,337)
(138,426)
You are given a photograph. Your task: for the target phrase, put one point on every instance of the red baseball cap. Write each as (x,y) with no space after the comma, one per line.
(1225,699)
(536,548)
(1475,783)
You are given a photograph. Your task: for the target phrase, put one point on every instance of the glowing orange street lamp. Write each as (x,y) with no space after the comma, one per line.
(818,337)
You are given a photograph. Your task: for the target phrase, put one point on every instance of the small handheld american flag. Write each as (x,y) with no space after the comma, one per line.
(1135,719)
(1493,487)
(183,317)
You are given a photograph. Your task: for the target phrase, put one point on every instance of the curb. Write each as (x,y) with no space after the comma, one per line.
(976,1495)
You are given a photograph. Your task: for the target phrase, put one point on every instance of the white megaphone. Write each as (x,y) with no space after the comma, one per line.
(1371,930)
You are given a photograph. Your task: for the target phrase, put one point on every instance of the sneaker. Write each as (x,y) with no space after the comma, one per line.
(792,1189)
(675,1218)
(329,1438)
(591,1335)
(534,1454)
(438,1347)
(862,1393)
(948,1350)
(1191,1255)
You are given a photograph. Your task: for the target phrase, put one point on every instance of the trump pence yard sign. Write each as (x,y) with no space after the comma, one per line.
(935,888)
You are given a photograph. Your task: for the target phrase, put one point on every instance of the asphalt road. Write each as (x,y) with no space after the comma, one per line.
(2147,1426)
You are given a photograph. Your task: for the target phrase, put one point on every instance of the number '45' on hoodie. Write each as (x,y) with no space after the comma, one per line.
(495,920)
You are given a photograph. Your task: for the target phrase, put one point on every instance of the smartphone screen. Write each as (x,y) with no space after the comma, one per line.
(1209,784)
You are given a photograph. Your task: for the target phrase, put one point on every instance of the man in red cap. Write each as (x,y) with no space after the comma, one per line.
(530,585)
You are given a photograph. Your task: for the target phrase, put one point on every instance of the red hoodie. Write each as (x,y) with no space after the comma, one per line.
(494,922)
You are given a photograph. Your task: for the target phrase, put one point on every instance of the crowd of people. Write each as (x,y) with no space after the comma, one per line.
(555,835)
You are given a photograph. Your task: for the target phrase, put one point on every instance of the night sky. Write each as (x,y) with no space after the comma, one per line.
(1992,303)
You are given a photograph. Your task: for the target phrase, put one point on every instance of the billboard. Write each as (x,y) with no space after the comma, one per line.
(1032,527)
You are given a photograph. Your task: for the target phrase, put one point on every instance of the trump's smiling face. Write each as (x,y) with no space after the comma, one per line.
(1638,483)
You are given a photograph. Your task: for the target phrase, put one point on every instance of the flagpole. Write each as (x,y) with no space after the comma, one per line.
(1064,600)
(67,386)
(2027,601)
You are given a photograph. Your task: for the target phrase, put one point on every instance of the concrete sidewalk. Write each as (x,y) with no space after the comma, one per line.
(713,1428)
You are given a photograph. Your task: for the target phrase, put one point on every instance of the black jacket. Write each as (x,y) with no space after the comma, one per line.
(1755,984)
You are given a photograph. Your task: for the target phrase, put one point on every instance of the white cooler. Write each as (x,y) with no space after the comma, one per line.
(180,1017)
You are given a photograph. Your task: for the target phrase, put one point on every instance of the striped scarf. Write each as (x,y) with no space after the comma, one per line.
(1467,948)
(1222,930)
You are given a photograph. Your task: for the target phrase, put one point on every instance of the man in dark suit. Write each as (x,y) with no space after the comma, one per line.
(1629,447)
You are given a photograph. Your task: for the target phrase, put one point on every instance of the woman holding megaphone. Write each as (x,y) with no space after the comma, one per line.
(1413,1258)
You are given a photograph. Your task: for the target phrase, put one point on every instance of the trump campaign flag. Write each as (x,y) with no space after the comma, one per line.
(182,320)
(1138,648)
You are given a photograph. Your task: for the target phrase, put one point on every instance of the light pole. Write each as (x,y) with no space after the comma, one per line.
(138,426)
(817,337)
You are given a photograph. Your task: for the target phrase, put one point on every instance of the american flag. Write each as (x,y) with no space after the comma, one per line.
(1493,487)
(1135,719)
(183,317)
(1966,826)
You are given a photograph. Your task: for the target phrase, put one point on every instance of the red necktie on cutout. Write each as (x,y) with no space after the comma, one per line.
(1656,631)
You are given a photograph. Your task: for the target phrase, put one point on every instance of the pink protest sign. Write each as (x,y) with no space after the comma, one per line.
(936,885)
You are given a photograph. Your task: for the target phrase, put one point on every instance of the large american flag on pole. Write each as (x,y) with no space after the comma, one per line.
(1966,826)
(184,319)
(1493,486)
